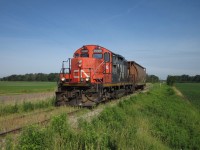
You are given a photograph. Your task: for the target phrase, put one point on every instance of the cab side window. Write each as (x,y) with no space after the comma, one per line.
(76,55)
(106,57)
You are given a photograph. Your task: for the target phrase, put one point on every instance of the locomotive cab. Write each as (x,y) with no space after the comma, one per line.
(82,80)
(90,64)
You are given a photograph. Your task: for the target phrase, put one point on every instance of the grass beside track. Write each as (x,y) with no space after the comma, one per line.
(158,119)
(26,106)
(21,87)
(191,91)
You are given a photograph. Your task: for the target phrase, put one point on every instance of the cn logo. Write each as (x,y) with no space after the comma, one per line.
(82,72)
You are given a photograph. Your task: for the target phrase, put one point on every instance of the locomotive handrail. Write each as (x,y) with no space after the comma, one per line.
(86,70)
(63,64)
(63,70)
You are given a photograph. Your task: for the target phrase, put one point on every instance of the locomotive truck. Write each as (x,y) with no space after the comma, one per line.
(95,75)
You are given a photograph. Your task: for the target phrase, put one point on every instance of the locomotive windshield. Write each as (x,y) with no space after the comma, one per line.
(97,55)
(84,55)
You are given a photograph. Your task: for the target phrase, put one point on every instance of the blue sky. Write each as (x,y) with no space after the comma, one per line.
(161,35)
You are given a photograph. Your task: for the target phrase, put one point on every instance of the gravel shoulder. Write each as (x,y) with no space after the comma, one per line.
(178,92)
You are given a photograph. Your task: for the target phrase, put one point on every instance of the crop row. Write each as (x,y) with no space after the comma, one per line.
(191,92)
(19,87)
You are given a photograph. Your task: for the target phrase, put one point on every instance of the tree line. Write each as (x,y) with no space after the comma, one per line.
(182,79)
(51,77)
(152,78)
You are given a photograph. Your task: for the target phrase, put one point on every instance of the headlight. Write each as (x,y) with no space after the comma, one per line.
(87,79)
(63,79)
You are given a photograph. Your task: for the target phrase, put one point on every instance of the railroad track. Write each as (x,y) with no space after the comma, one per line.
(43,111)
(17,130)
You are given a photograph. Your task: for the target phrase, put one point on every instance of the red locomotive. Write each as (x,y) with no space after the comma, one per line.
(95,74)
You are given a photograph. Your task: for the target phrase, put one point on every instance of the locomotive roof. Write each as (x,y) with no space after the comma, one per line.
(106,49)
(119,56)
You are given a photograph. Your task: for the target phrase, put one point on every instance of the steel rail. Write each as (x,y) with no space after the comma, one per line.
(16,130)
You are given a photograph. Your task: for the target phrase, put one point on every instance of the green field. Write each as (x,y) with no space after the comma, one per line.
(157,119)
(191,91)
(20,87)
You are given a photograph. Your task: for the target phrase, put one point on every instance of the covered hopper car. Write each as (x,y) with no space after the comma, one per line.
(96,74)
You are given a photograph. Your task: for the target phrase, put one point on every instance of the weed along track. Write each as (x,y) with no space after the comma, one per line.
(15,124)
(30,118)
(73,120)
(155,119)
(42,122)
